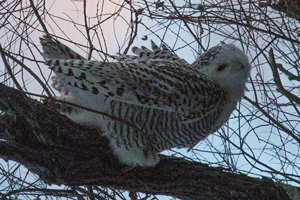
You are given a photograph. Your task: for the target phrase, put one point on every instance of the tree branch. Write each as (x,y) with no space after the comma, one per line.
(277,79)
(62,152)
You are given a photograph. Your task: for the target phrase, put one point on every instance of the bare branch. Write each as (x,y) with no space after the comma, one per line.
(277,80)
(48,149)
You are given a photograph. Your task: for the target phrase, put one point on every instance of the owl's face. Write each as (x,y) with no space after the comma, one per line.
(226,65)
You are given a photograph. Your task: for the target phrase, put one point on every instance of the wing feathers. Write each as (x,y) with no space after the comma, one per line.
(154,78)
(160,84)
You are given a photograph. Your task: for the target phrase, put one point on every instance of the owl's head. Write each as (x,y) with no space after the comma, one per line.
(227,66)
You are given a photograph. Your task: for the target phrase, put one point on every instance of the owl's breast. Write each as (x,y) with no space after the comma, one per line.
(143,127)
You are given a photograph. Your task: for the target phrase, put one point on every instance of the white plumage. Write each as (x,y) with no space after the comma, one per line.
(156,100)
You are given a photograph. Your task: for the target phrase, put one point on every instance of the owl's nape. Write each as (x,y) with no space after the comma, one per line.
(163,101)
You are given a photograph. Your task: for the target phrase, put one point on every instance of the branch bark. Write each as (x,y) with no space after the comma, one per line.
(62,152)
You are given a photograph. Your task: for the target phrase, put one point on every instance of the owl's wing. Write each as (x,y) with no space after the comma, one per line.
(163,84)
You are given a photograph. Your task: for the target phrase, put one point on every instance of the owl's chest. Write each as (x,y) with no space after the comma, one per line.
(151,121)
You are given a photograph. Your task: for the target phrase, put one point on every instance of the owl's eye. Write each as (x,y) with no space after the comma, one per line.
(221,67)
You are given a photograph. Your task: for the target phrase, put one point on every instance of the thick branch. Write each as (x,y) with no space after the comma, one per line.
(62,152)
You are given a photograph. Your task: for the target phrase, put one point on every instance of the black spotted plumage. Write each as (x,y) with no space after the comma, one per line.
(163,101)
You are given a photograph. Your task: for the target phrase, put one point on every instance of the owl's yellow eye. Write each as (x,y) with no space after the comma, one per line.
(221,67)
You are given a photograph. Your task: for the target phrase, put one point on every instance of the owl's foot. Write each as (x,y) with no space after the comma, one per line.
(136,157)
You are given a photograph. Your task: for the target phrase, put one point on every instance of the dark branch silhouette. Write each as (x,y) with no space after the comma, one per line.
(62,152)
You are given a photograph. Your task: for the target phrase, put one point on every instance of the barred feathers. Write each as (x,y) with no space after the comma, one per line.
(158,101)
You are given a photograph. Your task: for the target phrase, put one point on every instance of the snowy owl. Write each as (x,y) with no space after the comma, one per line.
(153,100)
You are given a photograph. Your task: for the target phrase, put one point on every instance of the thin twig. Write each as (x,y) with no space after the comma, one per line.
(8,68)
(279,125)
(277,80)
(38,17)
(29,71)
(91,47)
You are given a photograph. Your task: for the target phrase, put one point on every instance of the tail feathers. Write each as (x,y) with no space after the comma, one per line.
(53,49)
